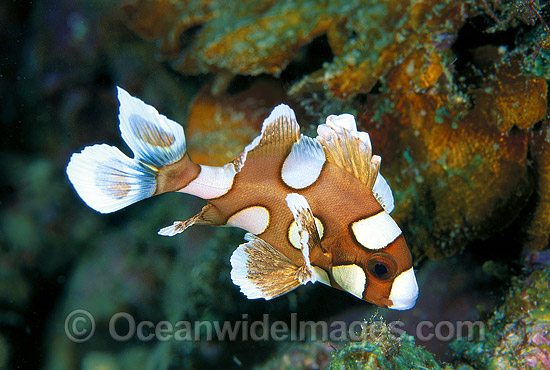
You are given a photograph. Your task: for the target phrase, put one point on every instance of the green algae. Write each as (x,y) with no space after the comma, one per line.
(539,66)
(516,336)
(385,351)
(466,172)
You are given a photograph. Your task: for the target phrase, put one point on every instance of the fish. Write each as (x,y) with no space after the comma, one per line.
(314,209)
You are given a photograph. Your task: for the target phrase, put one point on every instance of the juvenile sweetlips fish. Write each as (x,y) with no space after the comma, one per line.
(314,209)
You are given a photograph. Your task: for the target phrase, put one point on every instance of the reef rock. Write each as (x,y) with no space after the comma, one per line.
(219,127)
(453,121)
(516,337)
(366,37)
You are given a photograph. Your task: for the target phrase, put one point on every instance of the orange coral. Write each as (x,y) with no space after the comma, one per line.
(511,99)
(218,128)
(383,39)
(458,169)
(456,174)
(249,37)
(257,37)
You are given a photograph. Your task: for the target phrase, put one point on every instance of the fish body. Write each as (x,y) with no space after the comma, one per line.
(315,209)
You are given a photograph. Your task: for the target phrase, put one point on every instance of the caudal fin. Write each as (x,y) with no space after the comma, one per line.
(107,180)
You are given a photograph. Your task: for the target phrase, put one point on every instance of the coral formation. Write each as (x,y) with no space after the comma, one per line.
(463,161)
(218,128)
(444,145)
(384,350)
(518,333)
(210,36)
(380,35)
(509,13)
(365,37)
(509,99)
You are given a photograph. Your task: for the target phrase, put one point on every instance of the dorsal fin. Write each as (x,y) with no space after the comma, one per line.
(279,132)
(348,148)
(383,194)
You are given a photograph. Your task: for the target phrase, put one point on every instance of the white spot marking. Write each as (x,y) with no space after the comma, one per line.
(253,219)
(321,275)
(377,231)
(351,278)
(404,291)
(303,165)
(212,182)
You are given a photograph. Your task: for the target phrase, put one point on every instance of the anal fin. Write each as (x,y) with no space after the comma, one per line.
(262,271)
(209,215)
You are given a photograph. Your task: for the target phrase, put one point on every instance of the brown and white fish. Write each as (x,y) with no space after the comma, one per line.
(314,209)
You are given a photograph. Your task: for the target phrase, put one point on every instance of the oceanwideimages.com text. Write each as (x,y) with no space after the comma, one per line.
(80,327)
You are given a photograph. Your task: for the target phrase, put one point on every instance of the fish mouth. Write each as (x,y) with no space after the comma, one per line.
(404,291)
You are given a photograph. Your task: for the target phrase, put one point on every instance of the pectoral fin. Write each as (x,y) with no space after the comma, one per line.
(261,271)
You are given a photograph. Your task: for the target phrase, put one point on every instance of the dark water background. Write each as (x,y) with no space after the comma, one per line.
(59,64)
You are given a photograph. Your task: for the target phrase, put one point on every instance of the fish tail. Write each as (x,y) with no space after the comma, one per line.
(108,180)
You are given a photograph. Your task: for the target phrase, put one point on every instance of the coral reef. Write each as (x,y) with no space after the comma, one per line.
(517,335)
(384,350)
(365,37)
(455,98)
(256,37)
(448,135)
(391,33)
(461,160)
(218,128)
(510,13)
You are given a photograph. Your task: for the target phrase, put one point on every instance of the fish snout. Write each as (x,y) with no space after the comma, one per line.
(404,291)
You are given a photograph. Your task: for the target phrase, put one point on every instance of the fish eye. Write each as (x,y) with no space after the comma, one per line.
(380,269)
(382,266)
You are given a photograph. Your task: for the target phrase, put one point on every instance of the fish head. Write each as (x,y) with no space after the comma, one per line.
(384,277)
(390,278)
